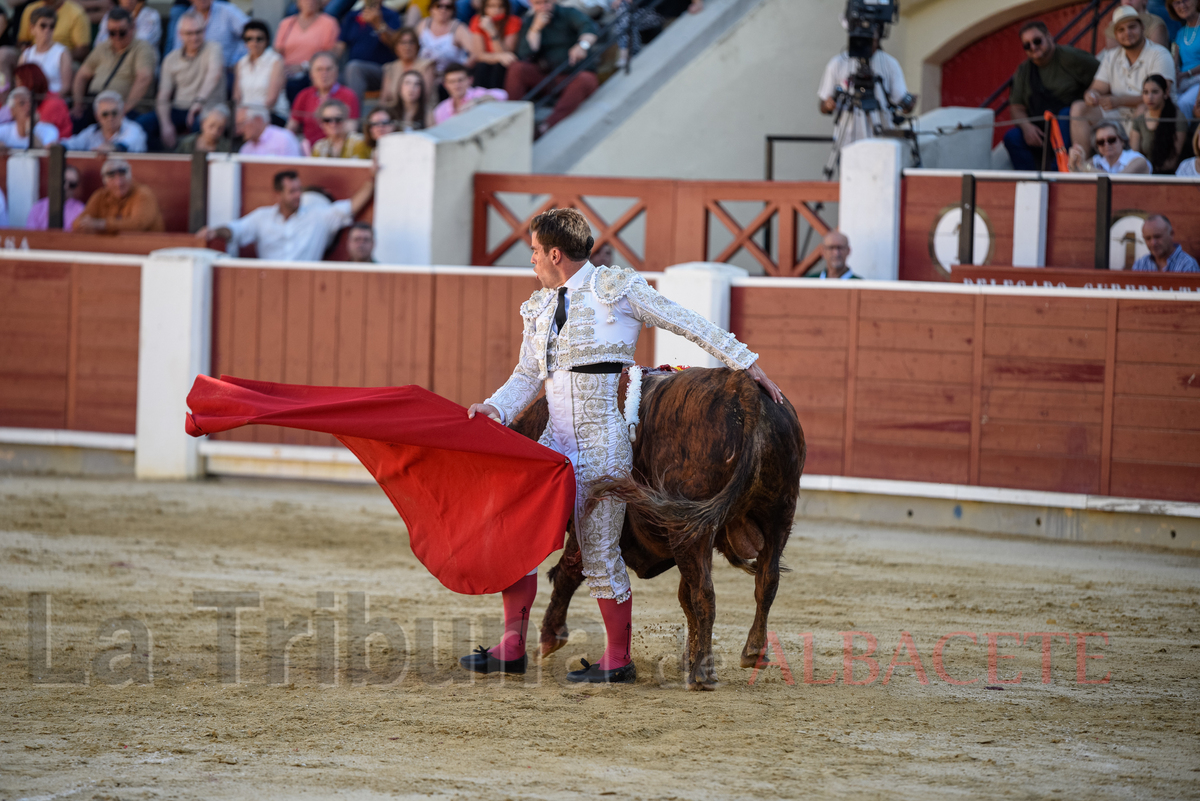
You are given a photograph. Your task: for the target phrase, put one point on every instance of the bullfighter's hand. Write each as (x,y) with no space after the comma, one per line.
(756,372)
(484,408)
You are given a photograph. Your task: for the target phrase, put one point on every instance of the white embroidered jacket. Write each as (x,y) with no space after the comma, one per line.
(607,307)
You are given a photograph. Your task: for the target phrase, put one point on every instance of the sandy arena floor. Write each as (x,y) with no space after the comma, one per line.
(105,550)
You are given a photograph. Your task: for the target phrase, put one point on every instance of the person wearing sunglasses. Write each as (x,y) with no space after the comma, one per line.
(338,142)
(550,36)
(1116,91)
(123,64)
(1112,153)
(260,76)
(193,78)
(147,23)
(120,204)
(1051,78)
(72,29)
(52,57)
(38,218)
(380,123)
(112,130)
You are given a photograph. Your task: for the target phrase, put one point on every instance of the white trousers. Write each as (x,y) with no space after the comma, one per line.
(586,426)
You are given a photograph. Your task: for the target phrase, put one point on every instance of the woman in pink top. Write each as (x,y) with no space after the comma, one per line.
(302,36)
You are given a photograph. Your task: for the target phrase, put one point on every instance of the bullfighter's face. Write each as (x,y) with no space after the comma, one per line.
(546,264)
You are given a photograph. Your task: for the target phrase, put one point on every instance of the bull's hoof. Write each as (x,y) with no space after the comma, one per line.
(700,686)
(754,660)
(551,642)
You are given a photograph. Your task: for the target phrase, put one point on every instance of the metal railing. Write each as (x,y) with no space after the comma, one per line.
(560,77)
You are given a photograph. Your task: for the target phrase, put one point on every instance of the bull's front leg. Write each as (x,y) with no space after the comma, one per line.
(565,577)
(700,606)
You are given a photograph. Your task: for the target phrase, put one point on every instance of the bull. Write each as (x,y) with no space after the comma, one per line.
(716,465)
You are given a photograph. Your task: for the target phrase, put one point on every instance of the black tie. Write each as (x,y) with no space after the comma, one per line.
(560,313)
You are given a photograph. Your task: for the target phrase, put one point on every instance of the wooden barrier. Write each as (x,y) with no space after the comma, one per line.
(453,333)
(137,244)
(339,177)
(70,355)
(677,216)
(1046,392)
(1084,279)
(168,176)
(1071,217)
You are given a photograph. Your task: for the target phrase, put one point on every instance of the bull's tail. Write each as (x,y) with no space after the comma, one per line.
(687,521)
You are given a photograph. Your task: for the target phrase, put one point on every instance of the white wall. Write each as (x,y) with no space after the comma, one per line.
(425,187)
(710,120)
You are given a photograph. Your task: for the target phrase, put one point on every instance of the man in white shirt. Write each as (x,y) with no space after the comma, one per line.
(890,88)
(1116,91)
(289,231)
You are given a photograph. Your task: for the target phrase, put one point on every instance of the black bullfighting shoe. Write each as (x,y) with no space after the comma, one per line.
(592,674)
(482,661)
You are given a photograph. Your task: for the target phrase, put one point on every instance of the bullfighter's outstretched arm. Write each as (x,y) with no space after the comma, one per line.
(652,308)
(522,386)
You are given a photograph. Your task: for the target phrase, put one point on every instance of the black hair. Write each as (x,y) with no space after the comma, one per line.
(1034,24)
(455,67)
(284,175)
(257,25)
(1163,148)
(362,226)
(118,14)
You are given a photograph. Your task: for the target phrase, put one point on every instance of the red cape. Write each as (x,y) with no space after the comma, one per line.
(483,504)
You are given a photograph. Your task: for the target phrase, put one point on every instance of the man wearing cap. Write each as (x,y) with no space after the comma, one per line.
(1116,91)
(119,205)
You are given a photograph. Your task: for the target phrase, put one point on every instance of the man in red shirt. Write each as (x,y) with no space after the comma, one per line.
(323,73)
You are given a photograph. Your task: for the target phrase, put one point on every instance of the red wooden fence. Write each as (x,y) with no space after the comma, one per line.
(677,218)
(1070,394)
(70,354)
(1071,220)
(455,334)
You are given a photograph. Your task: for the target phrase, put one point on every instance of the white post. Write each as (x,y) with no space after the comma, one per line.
(174,345)
(425,187)
(869,206)
(1030,210)
(24,185)
(702,287)
(224,192)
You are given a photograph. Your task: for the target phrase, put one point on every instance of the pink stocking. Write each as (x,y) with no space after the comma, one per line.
(518,604)
(618,629)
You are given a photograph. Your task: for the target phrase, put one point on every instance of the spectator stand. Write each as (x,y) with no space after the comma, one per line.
(601,58)
(167,175)
(1083,29)
(240,184)
(1068,220)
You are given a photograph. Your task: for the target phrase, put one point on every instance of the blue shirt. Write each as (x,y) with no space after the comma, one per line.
(362,41)
(225,23)
(1177,262)
(1188,40)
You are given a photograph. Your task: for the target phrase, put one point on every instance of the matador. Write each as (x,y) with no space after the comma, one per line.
(580,331)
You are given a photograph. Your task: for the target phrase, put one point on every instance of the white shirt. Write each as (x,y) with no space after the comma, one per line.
(1126,158)
(302,237)
(254,80)
(14,141)
(1187,169)
(1124,78)
(891,88)
(50,62)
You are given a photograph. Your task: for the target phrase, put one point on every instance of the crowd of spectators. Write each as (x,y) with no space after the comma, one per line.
(175,79)
(1130,109)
